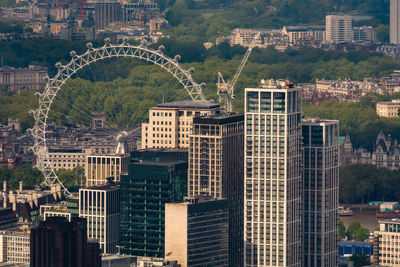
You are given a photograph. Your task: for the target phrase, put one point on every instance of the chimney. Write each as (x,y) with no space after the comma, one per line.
(21,186)
(5,200)
(58,191)
(5,186)
(35,198)
(13,200)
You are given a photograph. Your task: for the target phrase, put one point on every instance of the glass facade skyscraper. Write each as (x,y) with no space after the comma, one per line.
(321,191)
(272,210)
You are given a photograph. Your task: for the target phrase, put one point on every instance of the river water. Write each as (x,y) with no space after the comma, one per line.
(366,217)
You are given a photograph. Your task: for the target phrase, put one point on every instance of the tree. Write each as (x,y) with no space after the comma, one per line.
(382,33)
(341,230)
(360,260)
(354,227)
(362,234)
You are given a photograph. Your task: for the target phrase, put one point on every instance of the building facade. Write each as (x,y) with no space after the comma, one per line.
(364,34)
(196,232)
(170,124)
(298,34)
(386,247)
(15,79)
(100,205)
(320,192)
(272,210)
(67,159)
(216,169)
(107,12)
(15,246)
(395,22)
(388,109)
(57,242)
(154,178)
(100,167)
(339,29)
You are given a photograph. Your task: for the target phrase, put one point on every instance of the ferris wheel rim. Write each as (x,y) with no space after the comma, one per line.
(78,62)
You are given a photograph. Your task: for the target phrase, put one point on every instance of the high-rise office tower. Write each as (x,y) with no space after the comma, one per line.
(339,28)
(395,22)
(321,191)
(216,169)
(100,205)
(272,209)
(154,178)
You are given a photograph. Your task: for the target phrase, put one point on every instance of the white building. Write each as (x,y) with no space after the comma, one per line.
(395,22)
(15,79)
(386,243)
(15,246)
(100,206)
(364,34)
(100,167)
(339,29)
(272,210)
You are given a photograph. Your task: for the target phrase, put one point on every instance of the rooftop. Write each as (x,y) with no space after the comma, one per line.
(106,186)
(203,104)
(222,118)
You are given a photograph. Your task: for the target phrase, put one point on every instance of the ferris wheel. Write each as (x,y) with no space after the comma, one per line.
(78,62)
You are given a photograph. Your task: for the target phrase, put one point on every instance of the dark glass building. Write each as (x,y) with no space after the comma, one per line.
(321,191)
(154,178)
(216,169)
(57,242)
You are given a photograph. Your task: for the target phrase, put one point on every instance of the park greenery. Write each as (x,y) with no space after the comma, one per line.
(72,179)
(205,20)
(361,183)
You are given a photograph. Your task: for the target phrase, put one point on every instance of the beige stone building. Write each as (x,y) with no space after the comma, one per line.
(388,109)
(387,243)
(15,79)
(170,124)
(67,160)
(302,33)
(339,28)
(100,167)
(196,232)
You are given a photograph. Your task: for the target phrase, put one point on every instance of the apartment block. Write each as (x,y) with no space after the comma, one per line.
(196,232)
(107,12)
(364,34)
(170,124)
(100,167)
(153,179)
(339,28)
(386,243)
(305,33)
(216,169)
(320,192)
(100,206)
(273,205)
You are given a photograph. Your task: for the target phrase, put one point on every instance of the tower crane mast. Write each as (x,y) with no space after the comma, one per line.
(226,89)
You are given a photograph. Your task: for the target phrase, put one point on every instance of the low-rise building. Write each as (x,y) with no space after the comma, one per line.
(170,124)
(386,243)
(298,34)
(66,159)
(364,34)
(388,109)
(15,79)
(15,246)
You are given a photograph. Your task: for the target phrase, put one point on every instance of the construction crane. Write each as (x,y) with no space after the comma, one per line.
(226,89)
